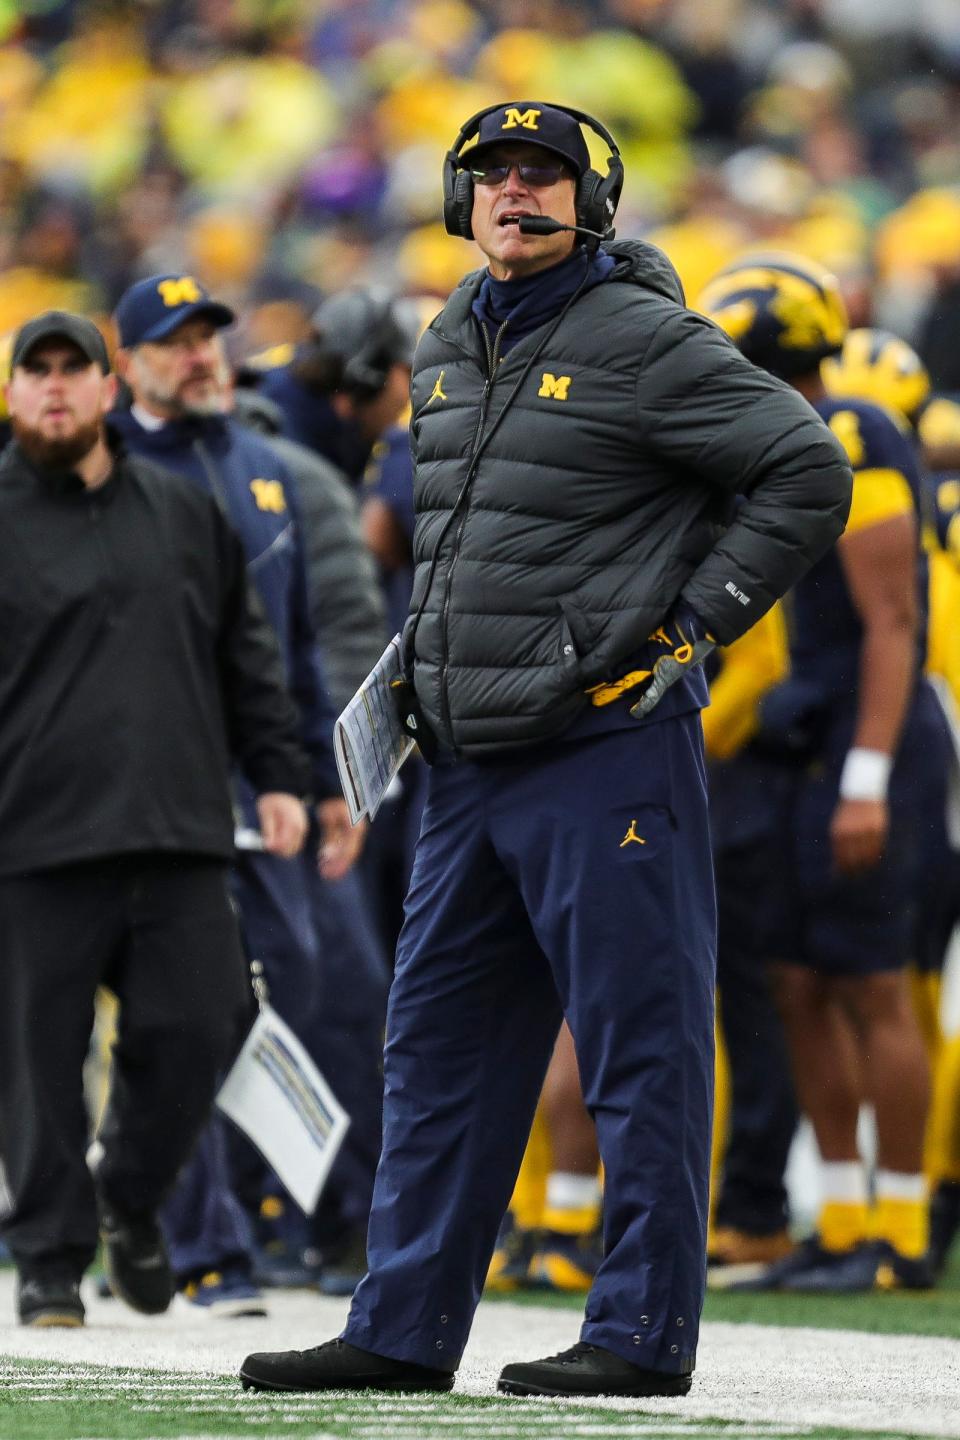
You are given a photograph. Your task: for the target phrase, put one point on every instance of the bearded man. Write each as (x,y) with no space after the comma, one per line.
(136,669)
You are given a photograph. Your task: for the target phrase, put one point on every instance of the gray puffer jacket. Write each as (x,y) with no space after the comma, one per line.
(568,496)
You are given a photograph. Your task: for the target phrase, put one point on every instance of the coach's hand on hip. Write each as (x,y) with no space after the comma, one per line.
(283,823)
(668,670)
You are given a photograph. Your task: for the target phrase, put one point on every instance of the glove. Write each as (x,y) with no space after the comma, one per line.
(669,669)
(412,719)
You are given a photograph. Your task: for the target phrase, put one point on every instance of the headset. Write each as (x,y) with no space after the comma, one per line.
(597,195)
(363,332)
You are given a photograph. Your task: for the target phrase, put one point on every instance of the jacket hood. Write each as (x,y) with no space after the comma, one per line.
(644,264)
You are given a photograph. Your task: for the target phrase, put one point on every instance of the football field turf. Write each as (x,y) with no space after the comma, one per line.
(128,1378)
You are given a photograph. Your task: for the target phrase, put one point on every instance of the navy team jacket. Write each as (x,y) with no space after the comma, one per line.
(254,489)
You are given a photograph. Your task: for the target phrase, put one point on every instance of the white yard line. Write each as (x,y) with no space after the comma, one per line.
(752,1373)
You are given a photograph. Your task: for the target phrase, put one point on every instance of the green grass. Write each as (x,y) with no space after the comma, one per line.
(922,1312)
(43,1401)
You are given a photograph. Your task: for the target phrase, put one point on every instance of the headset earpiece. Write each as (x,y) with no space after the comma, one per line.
(586,198)
(597,197)
(463,203)
(457,197)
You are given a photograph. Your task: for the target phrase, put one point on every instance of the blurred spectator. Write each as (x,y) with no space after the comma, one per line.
(282,150)
(340,390)
(172,359)
(346,608)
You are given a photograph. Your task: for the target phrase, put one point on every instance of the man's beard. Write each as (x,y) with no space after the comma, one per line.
(209,404)
(181,406)
(56,454)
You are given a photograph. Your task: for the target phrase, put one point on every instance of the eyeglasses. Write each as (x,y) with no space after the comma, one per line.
(533,173)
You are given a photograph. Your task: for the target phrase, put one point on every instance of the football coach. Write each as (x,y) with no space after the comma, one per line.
(579,438)
(134,665)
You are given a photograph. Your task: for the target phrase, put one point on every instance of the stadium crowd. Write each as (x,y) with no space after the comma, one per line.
(282,150)
(276,163)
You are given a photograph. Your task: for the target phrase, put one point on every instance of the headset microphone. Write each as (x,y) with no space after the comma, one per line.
(543,225)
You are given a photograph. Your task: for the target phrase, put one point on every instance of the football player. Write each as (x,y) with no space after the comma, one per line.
(862,733)
(755,1128)
(878,366)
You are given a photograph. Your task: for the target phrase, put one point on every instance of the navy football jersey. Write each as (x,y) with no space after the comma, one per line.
(825,630)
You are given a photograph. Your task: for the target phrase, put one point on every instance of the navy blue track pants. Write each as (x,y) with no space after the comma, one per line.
(576,879)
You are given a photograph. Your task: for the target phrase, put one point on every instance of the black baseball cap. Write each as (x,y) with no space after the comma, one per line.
(153,308)
(60,325)
(533,123)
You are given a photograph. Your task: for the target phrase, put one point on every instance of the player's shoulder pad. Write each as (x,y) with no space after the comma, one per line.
(939,424)
(874,437)
(273,358)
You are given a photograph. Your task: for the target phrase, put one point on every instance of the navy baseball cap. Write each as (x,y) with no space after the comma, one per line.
(60,325)
(534,123)
(154,308)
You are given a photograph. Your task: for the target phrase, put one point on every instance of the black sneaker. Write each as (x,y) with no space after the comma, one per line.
(839,1272)
(944,1224)
(588,1370)
(135,1260)
(510,1264)
(809,1255)
(565,1264)
(903,1272)
(50,1303)
(229,1294)
(338,1366)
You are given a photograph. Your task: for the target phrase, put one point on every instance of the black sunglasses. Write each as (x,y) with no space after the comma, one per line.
(537,174)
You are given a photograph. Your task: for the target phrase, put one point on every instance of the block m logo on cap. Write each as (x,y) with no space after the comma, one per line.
(184,291)
(526,119)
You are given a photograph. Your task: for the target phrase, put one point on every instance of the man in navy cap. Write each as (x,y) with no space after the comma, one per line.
(173,362)
(578,438)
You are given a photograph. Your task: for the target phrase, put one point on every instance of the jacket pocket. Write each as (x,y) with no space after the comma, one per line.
(574,639)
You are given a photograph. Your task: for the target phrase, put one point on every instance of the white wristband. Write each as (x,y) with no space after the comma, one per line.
(865,775)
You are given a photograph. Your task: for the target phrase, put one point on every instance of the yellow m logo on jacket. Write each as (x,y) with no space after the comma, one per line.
(526,118)
(269,495)
(554,387)
(180,292)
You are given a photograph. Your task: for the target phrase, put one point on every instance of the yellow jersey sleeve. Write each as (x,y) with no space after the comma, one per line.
(752,665)
(878,495)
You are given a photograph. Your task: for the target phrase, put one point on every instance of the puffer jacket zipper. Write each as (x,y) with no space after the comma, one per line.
(480,443)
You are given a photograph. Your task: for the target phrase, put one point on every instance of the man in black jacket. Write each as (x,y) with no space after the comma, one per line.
(579,437)
(134,664)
